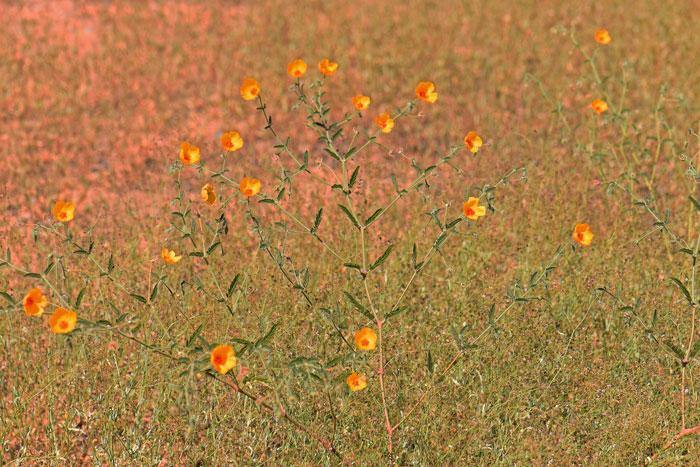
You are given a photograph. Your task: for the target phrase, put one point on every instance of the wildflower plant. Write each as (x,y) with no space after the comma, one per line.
(352,358)
(627,150)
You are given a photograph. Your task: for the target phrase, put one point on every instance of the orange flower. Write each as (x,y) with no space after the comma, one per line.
(208,194)
(360,102)
(327,67)
(357,382)
(63,321)
(472,210)
(385,122)
(366,339)
(231,141)
(223,358)
(599,106)
(169,256)
(473,142)
(189,154)
(426,91)
(250,186)
(34,302)
(63,212)
(250,89)
(602,36)
(296,68)
(583,234)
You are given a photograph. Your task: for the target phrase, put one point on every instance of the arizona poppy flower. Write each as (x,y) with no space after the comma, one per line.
(63,212)
(599,106)
(426,91)
(250,89)
(327,67)
(366,339)
(250,186)
(63,321)
(296,68)
(223,358)
(231,141)
(473,142)
(189,154)
(208,194)
(360,102)
(34,302)
(385,122)
(357,382)
(583,234)
(602,36)
(169,256)
(472,210)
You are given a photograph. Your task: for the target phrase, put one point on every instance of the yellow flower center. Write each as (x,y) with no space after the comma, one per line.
(63,324)
(364,342)
(219,359)
(469,211)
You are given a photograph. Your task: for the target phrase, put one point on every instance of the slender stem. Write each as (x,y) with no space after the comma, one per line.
(389,428)
(309,231)
(284,144)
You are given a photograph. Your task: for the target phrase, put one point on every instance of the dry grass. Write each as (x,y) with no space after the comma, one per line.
(95,99)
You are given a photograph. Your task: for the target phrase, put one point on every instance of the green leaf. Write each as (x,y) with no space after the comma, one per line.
(213,247)
(110,263)
(439,240)
(332,154)
(695,349)
(80,297)
(674,350)
(155,291)
(382,258)
(267,337)
(431,366)
(396,311)
(683,289)
(194,335)
(33,274)
(353,265)
(353,177)
(454,222)
(317,221)
(8,297)
(232,286)
(371,218)
(49,267)
(139,298)
(350,216)
(358,305)
(395,183)
(695,203)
